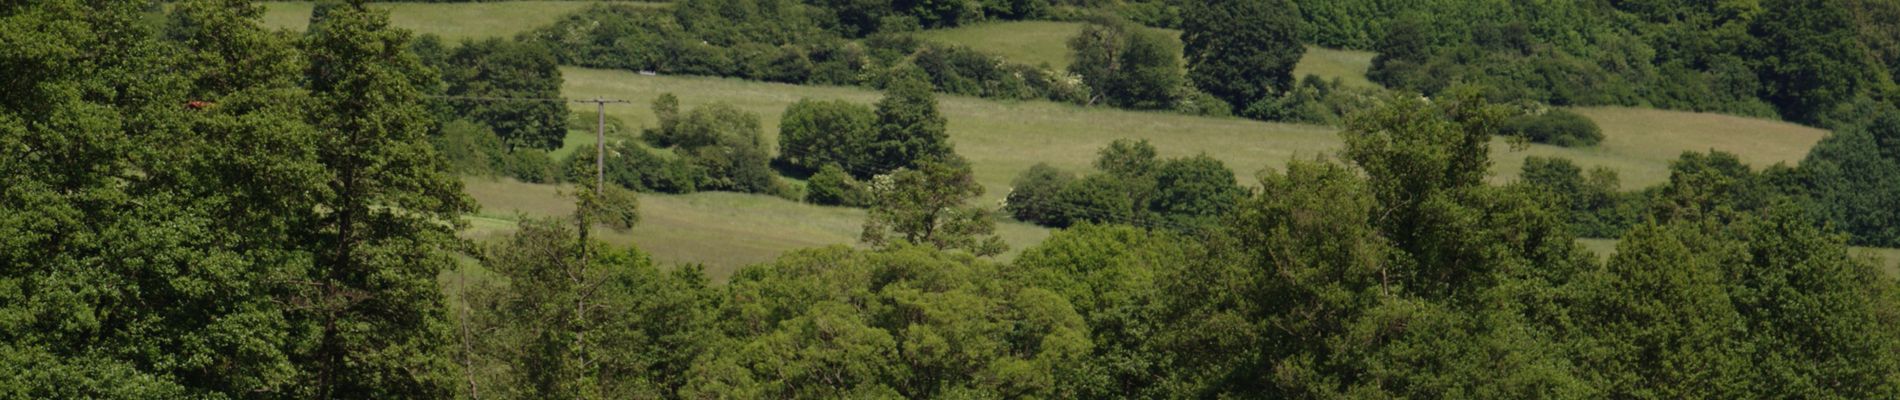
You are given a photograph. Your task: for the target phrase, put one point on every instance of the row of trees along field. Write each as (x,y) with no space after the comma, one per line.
(212,210)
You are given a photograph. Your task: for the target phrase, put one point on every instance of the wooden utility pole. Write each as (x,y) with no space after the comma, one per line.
(600,139)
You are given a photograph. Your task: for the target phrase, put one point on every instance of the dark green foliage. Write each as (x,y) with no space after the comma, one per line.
(1684,317)
(957,69)
(831,186)
(1714,185)
(1033,195)
(1596,208)
(387,196)
(1850,179)
(473,149)
(636,167)
(1314,101)
(145,248)
(1102,198)
(815,134)
(1415,151)
(783,41)
(1132,188)
(909,128)
(1127,65)
(496,68)
(1198,187)
(612,324)
(1241,51)
(1555,127)
(928,206)
(1797,59)
(1811,60)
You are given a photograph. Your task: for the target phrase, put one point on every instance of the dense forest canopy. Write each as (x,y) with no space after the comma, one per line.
(194,206)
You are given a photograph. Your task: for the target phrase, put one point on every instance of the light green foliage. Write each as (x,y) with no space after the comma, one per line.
(1656,305)
(1110,274)
(1415,152)
(1241,51)
(927,206)
(908,322)
(814,134)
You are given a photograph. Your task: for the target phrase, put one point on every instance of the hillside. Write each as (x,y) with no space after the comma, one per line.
(726,230)
(723,230)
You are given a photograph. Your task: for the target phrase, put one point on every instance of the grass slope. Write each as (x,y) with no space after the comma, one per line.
(1004,138)
(453,21)
(722,231)
(1046,42)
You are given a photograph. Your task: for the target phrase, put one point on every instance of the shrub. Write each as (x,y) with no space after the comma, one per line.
(1195,187)
(469,147)
(633,166)
(831,186)
(1099,198)
(1033,195)
(1127,65)
(1556,127)
(709,125)
(530,165)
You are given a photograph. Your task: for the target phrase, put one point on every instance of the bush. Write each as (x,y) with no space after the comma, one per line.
(1196,187)
(530,165)
(1556,127)
(1127,65)
(833,187)
(814,134)
(470,147)
(1033,195)
(633,166)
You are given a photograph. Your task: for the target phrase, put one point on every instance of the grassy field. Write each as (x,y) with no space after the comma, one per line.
(1004,138)
(453,21)
(1046,42)
(723,231)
